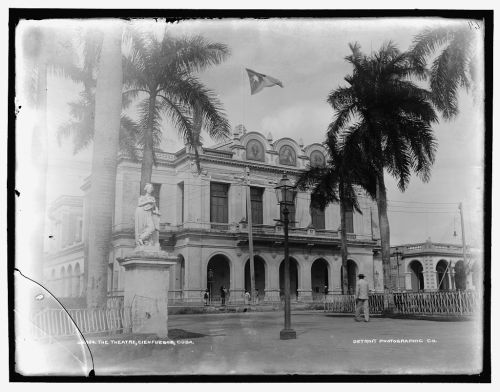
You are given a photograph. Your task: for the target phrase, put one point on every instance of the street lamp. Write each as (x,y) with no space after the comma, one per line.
(285,194)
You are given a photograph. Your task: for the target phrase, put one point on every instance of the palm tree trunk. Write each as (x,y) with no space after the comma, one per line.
(197,159)
(102,193)
(384,239)
(343,241)
(147,152)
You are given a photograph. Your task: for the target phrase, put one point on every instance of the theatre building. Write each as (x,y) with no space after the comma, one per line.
(204,222)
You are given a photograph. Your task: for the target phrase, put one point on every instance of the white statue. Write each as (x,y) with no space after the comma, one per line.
(147,219)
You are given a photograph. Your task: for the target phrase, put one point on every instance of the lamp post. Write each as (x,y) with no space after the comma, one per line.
(285,193)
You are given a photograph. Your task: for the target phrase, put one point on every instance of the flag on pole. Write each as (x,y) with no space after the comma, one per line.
(258,81)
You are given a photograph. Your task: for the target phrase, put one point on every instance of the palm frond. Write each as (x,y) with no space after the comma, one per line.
(195,53)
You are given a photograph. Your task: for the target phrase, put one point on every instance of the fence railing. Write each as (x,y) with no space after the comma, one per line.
(56,322)
(339,303)
(451,303)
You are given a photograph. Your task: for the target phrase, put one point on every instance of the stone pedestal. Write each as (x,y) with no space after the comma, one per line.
(146,289)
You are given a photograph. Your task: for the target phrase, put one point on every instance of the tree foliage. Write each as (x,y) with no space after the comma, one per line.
(454,67)
(159,72)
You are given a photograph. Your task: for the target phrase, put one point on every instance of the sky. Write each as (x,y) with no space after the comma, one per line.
(308,57)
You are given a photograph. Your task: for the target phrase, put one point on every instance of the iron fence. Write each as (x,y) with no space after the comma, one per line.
(445,303)
(346,303)
(56,322)
(450,302)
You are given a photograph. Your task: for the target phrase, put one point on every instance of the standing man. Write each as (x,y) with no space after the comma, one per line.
(223,295)
(206,296)
(362,298)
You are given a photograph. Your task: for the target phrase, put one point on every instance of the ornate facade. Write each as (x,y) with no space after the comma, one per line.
(203,222)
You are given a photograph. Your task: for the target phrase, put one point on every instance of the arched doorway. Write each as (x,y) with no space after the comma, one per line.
(352,272)
(443,275)
(417,275)
(319,278)
(460,275)
(218,274)
(294,278)
(260,275)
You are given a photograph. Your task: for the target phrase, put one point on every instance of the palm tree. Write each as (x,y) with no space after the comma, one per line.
(160,71)
(108,104)
(454,67)
(80,127)
(389,117)
(337,182)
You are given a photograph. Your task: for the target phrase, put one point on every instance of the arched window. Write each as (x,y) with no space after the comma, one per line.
(317,159)
(255,151)
(287,156)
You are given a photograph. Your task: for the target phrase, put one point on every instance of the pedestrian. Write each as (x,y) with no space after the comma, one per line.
(256,296)
(223,295)
(206,297)
(362,298)
(247,297)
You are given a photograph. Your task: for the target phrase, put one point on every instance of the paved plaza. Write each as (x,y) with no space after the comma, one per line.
(248,343)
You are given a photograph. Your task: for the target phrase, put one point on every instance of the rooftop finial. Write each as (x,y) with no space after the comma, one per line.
(240,129)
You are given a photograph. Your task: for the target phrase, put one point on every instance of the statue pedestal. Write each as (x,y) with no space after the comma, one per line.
(146,289)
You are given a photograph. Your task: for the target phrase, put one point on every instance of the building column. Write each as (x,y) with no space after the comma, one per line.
(304,282)
(272,291)
(237,281)
(408,282)
(196,270)
(334,281)
(450,280)
(431,277)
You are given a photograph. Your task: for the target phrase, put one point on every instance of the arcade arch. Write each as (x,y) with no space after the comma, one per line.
(417,275)
(319,277)
(260,275)
(218,274)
